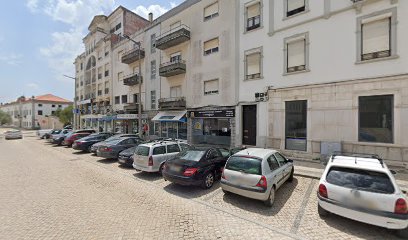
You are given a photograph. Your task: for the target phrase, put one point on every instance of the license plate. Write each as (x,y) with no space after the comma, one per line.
(175,168)
(122,160)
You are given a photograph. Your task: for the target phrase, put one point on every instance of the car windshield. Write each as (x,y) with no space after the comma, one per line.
(142,151)
(245,165)
(191,155)
(360,179)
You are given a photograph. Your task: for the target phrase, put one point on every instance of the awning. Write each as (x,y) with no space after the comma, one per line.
(171,116)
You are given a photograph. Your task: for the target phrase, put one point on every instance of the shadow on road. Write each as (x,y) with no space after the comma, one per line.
(79,152)
(148,176)
(190,192)
(107,160)
(251,205)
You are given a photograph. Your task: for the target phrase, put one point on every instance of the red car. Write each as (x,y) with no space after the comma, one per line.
(71,138)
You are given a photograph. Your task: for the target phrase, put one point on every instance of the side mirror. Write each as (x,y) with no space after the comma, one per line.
(393,172)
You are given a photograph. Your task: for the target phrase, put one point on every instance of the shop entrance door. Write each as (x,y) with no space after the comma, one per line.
(249,125)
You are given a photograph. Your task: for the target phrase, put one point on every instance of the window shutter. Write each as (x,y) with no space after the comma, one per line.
(254,10)
(296,53)
(295,4)
(376,36)
(210,10)
(253,63)
(175,91)
(211,44)
(211,86)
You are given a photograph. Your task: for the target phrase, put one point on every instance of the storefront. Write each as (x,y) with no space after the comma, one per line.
(128,123)
(214,127)
(170,124)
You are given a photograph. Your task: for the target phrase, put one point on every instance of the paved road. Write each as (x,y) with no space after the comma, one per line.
(51,192)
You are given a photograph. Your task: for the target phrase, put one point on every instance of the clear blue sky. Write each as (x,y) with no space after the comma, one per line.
(39,40)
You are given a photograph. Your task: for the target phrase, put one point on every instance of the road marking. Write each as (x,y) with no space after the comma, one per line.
(302,209)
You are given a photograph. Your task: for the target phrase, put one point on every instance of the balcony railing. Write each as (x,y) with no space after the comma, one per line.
(172,103)
(132,107)
(133,55)
(172,68)
(173,37)
(132,80)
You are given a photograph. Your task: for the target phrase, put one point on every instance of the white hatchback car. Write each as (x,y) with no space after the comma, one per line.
(362,188)
(256,173)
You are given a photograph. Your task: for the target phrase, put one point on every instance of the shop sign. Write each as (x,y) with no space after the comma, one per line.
(129,116)
(230,113)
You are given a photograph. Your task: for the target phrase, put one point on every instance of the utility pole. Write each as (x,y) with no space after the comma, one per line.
(74,122)
(139,98)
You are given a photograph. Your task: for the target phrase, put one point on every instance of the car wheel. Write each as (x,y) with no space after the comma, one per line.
(322,212)
(161,168)
(271,199)
(208,180)
(290,179)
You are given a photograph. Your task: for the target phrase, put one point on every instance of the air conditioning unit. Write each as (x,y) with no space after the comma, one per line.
(261,97)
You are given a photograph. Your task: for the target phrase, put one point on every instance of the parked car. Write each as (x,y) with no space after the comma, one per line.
(13,134)
(72,137)
(59,138)
(112,148)
(362,188)
(256,173)
(196,167)
(94,147)
(49,134)
(150,157)
(126,156)
(41,133)
(85,144)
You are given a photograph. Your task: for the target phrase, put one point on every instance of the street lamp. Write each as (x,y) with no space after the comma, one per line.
(75,102)
(139,100)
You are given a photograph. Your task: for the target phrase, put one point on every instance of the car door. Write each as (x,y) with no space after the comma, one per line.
(283,162)
(159,155)
(172,151)
(279,172)
(273,175)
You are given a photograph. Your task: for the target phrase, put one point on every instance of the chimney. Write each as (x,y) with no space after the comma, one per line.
(150,17)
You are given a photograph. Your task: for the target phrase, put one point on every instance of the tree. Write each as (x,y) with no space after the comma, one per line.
(65,115)
(4,118)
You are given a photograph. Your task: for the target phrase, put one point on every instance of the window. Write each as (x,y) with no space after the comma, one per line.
(175,57)
(294,7)
(296,125)
(253,65)
(159,150)
(118,26)
(52,112)
(296,56)
(211,131)
(281,159)
(364,180)
(117,100)
(106,70)
(211,87)
(135,98)
(142,151)
(59,106)
(211,11)
(175,91)
(52,105)
(245,165)
(153,43)
(120,76)
(124,99)
(376,39)
(153,99)
(211,46)
(40,105)
(273,163)
(82,66)
(184,146)
(153,69)
(40,112)
(376,118)
(172,148)
(253,13)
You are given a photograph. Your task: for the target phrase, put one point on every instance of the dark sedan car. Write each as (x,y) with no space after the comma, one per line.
(95,147)
(126,156)
(86,143)
(112,148)
(197,167)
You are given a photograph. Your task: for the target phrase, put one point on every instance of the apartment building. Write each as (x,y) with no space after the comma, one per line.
(35,112)
(97,73)
(324,75)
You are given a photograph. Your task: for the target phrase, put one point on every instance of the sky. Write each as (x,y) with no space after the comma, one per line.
(39,40)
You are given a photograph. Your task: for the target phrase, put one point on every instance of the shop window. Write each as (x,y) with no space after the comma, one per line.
(211,46)
(211,11)
(376,118)
(211,131)
(295,125)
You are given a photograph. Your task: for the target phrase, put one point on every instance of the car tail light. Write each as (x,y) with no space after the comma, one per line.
(190,172)
(401,206)
(107,149)
(323,191)
(262,183)
(150,163)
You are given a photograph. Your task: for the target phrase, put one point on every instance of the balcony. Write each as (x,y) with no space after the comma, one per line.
(132,80)
(172,103)
(133,56)
(173,37)
(172,68)
(131,107)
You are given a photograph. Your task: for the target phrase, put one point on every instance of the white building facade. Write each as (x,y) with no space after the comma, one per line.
(328,74)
